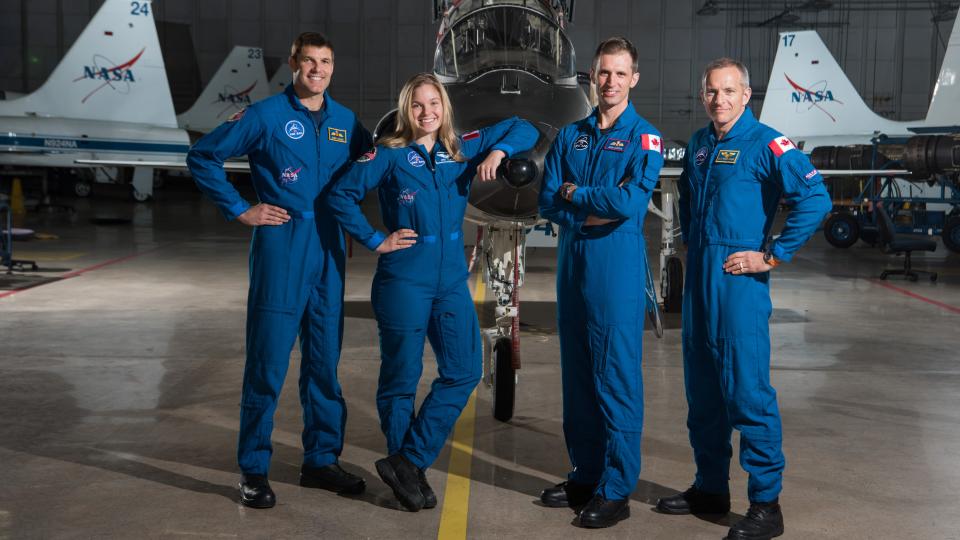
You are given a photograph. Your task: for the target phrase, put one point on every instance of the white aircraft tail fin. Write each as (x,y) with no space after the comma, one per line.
(113,71)
(809,94)
(281,78)
(240,81)
(945,106)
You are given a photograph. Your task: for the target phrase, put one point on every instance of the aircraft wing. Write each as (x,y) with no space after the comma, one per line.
(674,172)
(229,166)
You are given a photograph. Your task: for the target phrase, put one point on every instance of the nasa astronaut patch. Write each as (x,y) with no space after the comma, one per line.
(582,142)
(294,129)
(414,159)
(701,156)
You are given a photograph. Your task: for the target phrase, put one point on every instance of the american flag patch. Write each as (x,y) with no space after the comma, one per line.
(651,142)
(781,145)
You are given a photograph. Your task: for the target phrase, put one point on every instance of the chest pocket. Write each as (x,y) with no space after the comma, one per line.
(734,200)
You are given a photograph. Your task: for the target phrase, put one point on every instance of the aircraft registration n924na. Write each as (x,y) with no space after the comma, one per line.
(107,104)
(498,59)
(811,100)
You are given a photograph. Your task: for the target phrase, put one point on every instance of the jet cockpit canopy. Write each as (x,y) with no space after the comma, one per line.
(479,36)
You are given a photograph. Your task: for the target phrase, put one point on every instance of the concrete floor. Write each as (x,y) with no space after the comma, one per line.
(121,385)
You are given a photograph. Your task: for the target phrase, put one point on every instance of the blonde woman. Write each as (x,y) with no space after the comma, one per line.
(423,172)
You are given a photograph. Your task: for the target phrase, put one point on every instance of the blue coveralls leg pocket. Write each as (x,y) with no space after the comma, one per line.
(455,337)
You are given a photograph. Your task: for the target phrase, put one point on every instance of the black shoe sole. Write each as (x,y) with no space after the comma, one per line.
(554,504)
(429,503)
(252,503)
(355,489)
(738,537)
(687,511)
(412,503)
(624,514)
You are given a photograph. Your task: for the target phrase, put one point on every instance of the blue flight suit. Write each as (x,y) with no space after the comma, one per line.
(601,299)
(729,193)
(422,290)
(296,269)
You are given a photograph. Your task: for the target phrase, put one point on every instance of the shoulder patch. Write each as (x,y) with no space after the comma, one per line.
(470,135)
(781,145)
(651,142)
(237,115)
(369,155)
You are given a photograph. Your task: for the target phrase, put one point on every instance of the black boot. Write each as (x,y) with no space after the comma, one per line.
(763,521)
(255,491)
(403,478)
(566,494)
(694,501)
(333,478)
(429,497)
(600,512)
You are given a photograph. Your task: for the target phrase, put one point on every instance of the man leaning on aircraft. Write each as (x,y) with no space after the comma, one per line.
(296,142)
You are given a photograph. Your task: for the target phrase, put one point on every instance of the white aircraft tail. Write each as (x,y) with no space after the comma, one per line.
(281,78)
(809,94)
(240,81)
(113,71)
(944,108)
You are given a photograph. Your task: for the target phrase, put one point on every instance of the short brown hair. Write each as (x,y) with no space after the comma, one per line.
(309,39)
(614,45)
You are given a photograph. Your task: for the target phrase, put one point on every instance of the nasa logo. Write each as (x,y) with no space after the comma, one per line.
(235,98)
(414,159)
(290,175)
(812,97)
(407,197)
(582,142)
(237,115)
(294,129)
(701,156)
(114,76)
(811,174)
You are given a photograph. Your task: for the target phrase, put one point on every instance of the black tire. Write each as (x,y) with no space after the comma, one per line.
(841,230)
(951,234)
(504,380)
(673,292)
(82,188)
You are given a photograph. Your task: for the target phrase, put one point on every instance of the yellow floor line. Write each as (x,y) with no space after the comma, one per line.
(456,497)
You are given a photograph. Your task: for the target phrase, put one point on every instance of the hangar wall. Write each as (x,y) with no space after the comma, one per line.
(890,50)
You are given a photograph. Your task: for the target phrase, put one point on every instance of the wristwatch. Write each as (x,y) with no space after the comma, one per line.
(770,259)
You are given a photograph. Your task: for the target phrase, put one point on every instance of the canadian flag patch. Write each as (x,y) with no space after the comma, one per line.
(651,142)
(471,135)
(780,145)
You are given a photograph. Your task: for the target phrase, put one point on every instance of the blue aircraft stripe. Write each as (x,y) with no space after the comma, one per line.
(68,144)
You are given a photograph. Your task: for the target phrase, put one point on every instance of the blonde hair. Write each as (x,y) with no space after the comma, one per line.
(404,131)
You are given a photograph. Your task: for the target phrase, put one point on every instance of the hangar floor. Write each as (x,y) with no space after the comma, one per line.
(120,374)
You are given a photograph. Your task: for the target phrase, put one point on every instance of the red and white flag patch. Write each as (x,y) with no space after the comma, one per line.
(471,135)
(237,115)
(781,145)
(651,142)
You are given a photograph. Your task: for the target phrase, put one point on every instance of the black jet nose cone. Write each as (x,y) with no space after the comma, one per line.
(519,173)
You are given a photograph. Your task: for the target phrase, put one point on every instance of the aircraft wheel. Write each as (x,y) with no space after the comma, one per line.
(673,292)
(841,230)
(82,188)
(504,380)
(139,196)
(951,234)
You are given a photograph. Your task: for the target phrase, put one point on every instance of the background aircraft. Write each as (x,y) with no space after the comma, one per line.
(107,102)
(810,99)
(498,59)
(240,81)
